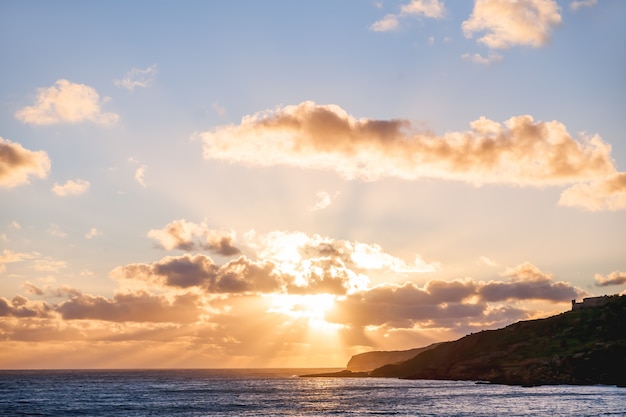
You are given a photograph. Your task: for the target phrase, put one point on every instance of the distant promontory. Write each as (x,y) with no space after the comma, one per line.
(584,346)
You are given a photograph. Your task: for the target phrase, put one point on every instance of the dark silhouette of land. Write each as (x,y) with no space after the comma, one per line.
(585,346)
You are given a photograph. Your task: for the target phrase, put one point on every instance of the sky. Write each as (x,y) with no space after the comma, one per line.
(286,184)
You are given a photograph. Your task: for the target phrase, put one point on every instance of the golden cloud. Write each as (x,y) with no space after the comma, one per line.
(17,164)
(520,151)
(605,194)
(66,102)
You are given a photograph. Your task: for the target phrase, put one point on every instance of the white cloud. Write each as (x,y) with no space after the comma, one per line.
(509,23)
(389,22)
(323,201)
(428,8)
(485,260)
(479,59)
(577,4)
(221,111)
(137,78)
(66,102)
(140,174)
(17,164)
(71,187)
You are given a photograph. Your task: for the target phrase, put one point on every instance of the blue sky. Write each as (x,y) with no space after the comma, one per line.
(371,174)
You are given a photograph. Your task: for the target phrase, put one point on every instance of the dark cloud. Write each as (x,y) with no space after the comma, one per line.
(22,307)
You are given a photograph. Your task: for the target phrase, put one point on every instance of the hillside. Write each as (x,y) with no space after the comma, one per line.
(372,360)
(586,346)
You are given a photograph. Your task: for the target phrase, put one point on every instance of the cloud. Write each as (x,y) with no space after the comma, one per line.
(66,102)
(288,263)
(520,151)
(15,225)
(577,4)
(485,260)
(240,275)
(137,78)
(21,307)
(71,187)
(386,24)
(293,250)
(7,256)
(428,8)
(49,265)
(528,282)
(614,278)
(93,232)
(479,59)
(323,201)
(139,307)
(605,194)
(442,303)
(17,164)
(56,230)
(510,23)
(188,236)
(139,175)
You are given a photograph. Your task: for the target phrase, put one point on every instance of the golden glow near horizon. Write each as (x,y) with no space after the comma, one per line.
(288,185)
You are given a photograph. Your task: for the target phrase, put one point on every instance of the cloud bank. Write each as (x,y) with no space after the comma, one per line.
(519,151)
(18,164)
(66,102)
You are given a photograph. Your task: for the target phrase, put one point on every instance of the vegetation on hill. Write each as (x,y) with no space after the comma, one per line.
(587,346)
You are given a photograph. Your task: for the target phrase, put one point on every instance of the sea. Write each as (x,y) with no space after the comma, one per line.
(281,392)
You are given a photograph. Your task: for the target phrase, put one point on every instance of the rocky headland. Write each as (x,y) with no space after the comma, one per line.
(585,346)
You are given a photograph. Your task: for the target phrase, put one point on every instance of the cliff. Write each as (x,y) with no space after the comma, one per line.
(372,360)
(584,346)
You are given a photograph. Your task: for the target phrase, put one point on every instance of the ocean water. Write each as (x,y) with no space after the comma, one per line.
(280,392)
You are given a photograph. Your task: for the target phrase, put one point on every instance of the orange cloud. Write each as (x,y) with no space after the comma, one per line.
(66,102)
(520,151)
(138,307)
(510,23)
(614,278)
(17,164)
(604,194)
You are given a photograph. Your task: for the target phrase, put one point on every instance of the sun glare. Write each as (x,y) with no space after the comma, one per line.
(310,307)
